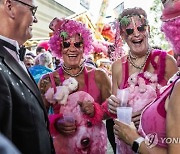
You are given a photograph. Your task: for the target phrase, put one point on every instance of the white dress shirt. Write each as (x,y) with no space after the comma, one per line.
(14,54)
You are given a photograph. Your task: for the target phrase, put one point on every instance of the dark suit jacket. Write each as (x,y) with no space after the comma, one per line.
(6,147)
(23,118)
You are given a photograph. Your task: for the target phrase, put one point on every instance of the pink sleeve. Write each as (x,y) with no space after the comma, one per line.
(52,120)
(98,114)
(104,107)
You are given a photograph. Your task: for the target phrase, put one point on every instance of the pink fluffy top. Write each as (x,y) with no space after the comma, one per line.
(70,27)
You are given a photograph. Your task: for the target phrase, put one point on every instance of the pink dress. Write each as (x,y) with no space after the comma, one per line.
(153,119)
(90,136)
(143,87)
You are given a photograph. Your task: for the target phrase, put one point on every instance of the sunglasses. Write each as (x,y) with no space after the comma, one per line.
(76,44)
(141,28)
(33,9)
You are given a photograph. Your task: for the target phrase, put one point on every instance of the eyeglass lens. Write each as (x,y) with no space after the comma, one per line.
(76,44)
(33,9)
(130,31)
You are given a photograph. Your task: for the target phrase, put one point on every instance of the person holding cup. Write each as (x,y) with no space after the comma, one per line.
(144,70)
(159,119)
(70,41)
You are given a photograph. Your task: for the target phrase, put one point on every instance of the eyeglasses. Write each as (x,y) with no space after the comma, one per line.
(76,44)
(141,28)
(33,9)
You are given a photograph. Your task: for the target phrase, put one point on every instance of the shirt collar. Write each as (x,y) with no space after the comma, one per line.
(13,42)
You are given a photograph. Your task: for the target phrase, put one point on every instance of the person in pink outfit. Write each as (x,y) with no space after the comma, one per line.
(159,128)
(70,41)
(143,71)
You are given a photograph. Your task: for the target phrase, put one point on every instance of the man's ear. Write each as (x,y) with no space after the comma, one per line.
(8,8)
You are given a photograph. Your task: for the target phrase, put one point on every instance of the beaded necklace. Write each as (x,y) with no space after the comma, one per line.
(143,64)
(73,75)
(133,57)
(69,68)
(65,68)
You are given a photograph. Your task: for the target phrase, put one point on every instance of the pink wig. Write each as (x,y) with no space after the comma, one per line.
(65,28)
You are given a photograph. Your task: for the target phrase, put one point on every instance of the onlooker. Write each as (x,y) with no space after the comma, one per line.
(28,61)
(45,66)
(42,47)
(23,118)
(40,50)
(30,53)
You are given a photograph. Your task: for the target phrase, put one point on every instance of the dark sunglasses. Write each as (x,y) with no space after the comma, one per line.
(76,44)
(141,28)
(33,9)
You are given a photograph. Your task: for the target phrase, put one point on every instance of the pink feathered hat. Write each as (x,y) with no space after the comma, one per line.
(65,28)
(171,24)
(171,9)
(44,44)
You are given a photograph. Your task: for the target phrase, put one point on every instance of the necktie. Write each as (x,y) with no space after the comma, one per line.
(22,49)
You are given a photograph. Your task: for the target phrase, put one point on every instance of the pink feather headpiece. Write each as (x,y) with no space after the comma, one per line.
(65,28)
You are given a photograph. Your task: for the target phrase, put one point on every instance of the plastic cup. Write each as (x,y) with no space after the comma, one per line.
(122,95)
(68,118)
(124,114)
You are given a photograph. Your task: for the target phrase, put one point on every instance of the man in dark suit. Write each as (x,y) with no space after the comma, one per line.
(23,118)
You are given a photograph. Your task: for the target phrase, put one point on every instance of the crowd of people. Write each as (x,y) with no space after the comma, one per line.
(56,100)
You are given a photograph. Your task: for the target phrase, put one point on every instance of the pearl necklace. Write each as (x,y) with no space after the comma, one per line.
(73,75)
(69,68)
(133,57)
(143,64)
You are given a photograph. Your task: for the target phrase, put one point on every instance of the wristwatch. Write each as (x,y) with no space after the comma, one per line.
(136,144)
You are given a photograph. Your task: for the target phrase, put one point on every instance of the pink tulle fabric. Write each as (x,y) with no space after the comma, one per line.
(142,90)
(172,33)
(89,129)
(100,47)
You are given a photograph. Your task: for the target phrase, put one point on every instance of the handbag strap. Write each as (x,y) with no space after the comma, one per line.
(52,82)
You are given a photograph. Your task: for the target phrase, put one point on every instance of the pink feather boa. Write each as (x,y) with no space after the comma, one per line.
(171,14)
(52,120)
(104,107)
(98,114)
(172,33)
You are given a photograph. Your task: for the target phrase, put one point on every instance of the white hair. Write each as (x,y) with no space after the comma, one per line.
(45,59)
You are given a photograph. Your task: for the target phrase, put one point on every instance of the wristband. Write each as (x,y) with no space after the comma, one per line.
(136,144)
